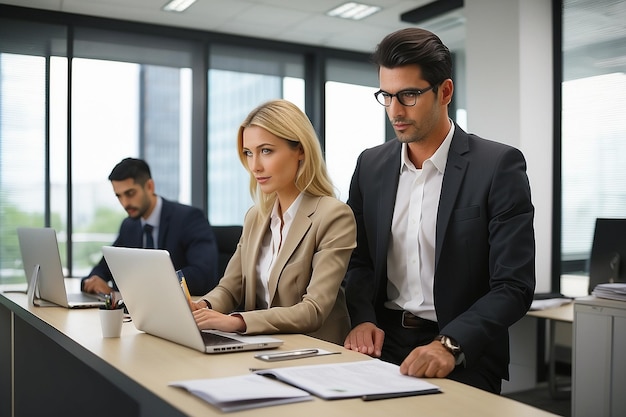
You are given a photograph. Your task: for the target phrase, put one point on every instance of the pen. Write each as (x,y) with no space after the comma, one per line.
(289,354)
(385,396)
(183,285)
(108,301)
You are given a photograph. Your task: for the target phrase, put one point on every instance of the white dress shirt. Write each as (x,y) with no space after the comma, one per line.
(411,253)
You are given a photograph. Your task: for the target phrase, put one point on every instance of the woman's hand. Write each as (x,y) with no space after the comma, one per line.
(197,305)
(207,319)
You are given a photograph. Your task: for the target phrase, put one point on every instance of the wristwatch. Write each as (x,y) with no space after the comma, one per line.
(453,347)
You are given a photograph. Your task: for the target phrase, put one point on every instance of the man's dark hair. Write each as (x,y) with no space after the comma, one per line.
(415,46)
(137,169)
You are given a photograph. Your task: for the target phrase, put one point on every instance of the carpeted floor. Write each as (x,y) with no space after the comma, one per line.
(540,397)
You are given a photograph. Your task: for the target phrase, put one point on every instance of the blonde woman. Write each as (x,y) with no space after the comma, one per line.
(286,274)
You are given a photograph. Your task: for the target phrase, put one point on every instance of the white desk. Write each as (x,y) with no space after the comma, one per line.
(564,313)
(129,375)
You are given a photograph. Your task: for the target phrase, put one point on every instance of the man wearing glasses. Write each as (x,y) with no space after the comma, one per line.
(445,257)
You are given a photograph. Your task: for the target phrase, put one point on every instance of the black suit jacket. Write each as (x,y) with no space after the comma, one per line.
(485,248)
(186,234)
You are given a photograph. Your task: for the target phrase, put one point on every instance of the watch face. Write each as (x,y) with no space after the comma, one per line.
(453,347)
(449,344)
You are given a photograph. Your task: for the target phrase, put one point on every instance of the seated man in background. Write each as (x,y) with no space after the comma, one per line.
(154,222)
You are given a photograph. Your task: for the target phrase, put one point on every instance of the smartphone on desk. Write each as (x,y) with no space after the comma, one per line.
(287,355)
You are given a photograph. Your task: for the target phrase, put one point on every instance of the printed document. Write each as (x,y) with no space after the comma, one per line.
(352,379)
(370,380)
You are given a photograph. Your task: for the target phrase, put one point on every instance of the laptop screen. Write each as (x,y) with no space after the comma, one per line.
(608,252)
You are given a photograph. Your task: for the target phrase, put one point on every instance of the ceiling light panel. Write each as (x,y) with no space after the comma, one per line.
(353,11)
(178,5)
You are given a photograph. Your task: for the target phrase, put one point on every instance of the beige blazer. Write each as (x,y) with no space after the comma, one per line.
(305,281)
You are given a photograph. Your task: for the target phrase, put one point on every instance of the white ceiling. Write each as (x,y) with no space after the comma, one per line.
(298,21)
(600,24)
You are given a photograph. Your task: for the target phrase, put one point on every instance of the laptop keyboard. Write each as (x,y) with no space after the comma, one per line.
(80,297)
(213,339)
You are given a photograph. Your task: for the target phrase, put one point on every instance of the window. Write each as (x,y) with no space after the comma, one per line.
(593,128)
(131,97)
(239,80)
(25,68)
(354,120)
(65,121)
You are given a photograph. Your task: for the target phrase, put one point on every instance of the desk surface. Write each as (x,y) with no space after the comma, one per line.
(153,363)
(562,313)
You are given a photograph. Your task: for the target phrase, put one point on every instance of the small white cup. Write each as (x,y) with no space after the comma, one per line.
(111,321)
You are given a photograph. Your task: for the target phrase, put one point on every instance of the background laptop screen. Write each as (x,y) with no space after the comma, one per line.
(39,247)
(608,253)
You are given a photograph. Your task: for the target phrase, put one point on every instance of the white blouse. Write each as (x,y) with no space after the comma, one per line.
(270,247)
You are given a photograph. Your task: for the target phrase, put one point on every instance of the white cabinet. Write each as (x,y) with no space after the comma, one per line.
(599,358)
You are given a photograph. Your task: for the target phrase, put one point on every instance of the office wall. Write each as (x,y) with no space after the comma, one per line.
(509,96)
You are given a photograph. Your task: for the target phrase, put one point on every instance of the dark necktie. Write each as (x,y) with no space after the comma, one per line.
(147,230)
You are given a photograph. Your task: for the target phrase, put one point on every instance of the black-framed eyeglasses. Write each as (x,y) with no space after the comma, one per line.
(405,97)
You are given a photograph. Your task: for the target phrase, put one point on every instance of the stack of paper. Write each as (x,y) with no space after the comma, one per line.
(613,291)
(370,380)
(243,392)
(549,303)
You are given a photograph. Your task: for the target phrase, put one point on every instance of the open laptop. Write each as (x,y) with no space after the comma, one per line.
(44,273)
(157,304)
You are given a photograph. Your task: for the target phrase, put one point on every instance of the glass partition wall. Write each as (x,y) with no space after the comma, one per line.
(75,99)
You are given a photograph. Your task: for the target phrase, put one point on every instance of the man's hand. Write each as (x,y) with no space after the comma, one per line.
(366,338)
(428,361)
(96,285)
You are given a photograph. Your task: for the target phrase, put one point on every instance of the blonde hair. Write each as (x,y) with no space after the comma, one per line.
(286,121)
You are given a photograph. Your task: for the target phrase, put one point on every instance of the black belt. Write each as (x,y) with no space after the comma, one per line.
(409,320)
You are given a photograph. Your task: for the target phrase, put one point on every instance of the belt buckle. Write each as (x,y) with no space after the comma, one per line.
(407,317)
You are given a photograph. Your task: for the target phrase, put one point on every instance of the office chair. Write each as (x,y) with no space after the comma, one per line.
(227,238)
